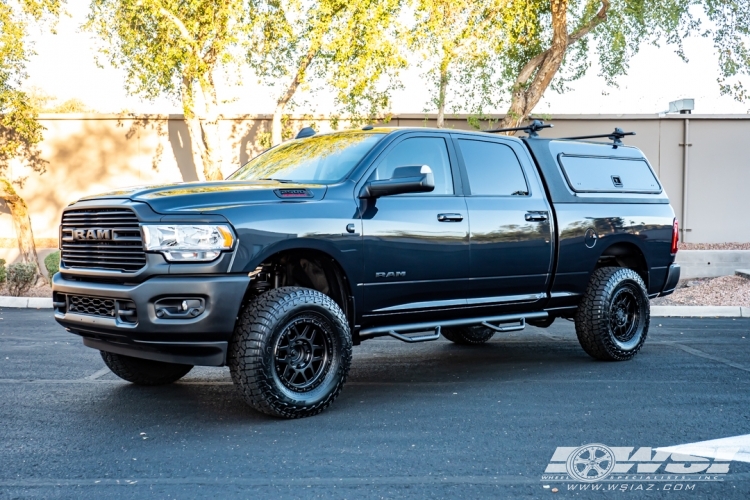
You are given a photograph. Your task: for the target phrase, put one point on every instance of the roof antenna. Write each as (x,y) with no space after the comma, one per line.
(305,132)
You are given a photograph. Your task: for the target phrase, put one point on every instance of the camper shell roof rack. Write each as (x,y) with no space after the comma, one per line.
(615,137)
(535,126)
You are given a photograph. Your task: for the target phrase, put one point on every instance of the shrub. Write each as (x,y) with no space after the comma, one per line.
(2,271)
(20,278)
(52,263)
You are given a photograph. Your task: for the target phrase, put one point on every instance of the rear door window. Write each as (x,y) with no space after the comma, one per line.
(493,169)
(596,174)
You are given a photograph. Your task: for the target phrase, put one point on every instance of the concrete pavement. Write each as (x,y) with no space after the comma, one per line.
(414,421)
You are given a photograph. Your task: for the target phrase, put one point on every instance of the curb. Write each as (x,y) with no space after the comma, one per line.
(656,311)
(700,311)
(26,302)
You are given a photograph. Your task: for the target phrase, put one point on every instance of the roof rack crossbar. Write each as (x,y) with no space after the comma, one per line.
(615,137)
(530,129)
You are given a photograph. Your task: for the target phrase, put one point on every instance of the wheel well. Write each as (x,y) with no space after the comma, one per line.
(625,255)
(305,268)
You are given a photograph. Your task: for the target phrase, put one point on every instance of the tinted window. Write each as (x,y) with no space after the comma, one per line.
(320,159)
(430,151)
(608,175)
(493,169)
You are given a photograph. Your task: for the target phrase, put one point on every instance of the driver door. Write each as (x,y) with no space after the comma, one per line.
(416,245)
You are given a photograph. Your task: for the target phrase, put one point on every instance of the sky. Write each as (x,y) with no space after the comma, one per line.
(65,67)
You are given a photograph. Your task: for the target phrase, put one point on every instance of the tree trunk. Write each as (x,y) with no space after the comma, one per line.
(443,85)
(276,126)
(22,223)
(203,132)
(544,66)
(211,136)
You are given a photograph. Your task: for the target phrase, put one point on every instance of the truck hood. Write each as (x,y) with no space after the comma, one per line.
(210,196)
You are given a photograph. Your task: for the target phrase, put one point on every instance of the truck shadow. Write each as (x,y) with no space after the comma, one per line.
(384,374)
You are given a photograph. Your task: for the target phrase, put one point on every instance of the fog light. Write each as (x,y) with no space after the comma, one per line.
(178,308)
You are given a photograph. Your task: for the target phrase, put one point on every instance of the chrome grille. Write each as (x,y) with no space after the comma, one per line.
(95,306)
(111,240)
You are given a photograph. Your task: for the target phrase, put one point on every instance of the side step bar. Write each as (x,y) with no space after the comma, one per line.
(398,331)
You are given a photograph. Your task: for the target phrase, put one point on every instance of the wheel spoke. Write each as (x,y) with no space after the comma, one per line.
(301,353)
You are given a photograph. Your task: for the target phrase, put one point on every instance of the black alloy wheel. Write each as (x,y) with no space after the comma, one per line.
(303,353)
(623,313)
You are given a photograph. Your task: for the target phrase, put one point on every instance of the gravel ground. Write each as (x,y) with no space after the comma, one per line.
(714,246)
(723,291)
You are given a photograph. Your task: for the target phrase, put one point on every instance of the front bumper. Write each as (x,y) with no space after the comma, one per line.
(199,340)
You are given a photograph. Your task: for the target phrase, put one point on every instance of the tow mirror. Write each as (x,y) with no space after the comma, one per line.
(411,179)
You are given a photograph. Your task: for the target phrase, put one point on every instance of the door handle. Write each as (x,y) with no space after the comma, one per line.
(536,216)
(450,217)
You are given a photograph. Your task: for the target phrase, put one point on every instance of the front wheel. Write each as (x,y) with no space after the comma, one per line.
(613,318)
(291,352)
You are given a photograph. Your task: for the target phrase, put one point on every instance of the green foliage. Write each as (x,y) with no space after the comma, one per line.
(52,263)
(526,32)
(20,131)
(455,40)
(164,45)
(20,277)
(348,45)
(3,272)
(42,102)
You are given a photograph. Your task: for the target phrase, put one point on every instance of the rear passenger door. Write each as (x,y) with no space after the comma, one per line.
(511,244)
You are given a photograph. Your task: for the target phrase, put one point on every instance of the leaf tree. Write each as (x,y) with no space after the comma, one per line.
(454,39)
(20,131)
(175,48)
(545,43)
(347,45)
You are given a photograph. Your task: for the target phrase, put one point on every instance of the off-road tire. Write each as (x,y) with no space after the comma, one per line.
(144,371)
(255,352)
(599,319)
(468,335)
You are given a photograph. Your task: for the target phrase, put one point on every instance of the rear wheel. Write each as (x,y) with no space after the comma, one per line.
(468,335)
(144,371)
(613,317)
(291,352)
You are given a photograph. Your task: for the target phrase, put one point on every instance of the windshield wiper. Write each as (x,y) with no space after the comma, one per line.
(277,180)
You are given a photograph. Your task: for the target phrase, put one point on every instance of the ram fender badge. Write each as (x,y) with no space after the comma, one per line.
(391,274)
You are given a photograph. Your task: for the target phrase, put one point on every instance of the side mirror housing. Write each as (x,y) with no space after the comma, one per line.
(410,179)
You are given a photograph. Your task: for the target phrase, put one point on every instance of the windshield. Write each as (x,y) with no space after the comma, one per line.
(323,159)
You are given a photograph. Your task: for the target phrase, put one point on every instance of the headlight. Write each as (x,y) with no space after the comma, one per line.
(188,243)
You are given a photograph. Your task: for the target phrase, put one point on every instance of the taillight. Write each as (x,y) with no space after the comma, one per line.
(675,236)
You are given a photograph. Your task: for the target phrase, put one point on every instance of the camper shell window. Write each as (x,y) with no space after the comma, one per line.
(600,174)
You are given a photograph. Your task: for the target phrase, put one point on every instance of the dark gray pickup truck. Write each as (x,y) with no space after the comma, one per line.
(332,239)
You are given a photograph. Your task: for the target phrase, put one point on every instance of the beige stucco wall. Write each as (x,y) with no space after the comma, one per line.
(89,154)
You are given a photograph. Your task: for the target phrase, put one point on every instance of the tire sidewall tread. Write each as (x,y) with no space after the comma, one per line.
(592,317)
(250,355)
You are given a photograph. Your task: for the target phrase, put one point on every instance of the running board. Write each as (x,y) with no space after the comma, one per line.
(398,331)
